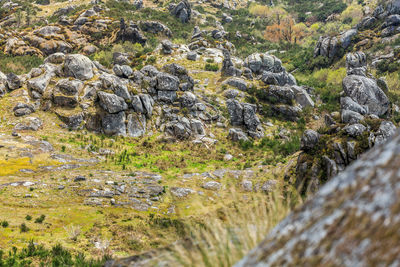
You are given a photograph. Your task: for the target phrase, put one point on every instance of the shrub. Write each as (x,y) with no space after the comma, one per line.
(28,217)
(211,67)
(40,219)
(23,228)
(4,224)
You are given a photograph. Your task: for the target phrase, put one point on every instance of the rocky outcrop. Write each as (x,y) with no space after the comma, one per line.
(330,47)
(364,90)
(351,221)
(244,114)
(182,11)
(269,69)
(345,138)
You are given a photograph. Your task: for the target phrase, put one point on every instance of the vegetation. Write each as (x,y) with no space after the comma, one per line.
(18,64)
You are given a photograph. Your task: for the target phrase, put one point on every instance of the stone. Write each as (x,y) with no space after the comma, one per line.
(167,82)
(354,130)
(212,185)
(309,140)
(231,93)
(235,110)
(366,93)
(237,135)
(385,131)
(136,125)
(181,192)
(111,102)
(182,11)
(79,178)
(166,46)
(56,58)
(114,124)
(351,117)
(346,103)
(29,124)
(78,66)
(192,55)
(123,71)
(238,83)
(362,198)
(250,118)
(13,81)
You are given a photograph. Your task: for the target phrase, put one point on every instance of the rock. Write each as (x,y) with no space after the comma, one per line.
(13,81)
(356,63)
(247,185)
(366,93)
(354,130)
(131,34)
(188,99)
(111,102)
(166,47)
(79,178)
(182,11)
(281,78)
(237,135)
(212,185)
(22,109)
(269,186)
(148,103)
(155,27)
(29,124)
(228,69)
(250,118)
(181,192)
(346,211)
(309,140)
(136,126)
(123,71)
(235,110)
(71,120)
(56,58)
(291,113)
(351,117)
(117,85)
(167,82)
(237,83)
(258,63)
(114,124)
(228,157)
(385,131)
(78,66)
(226,18)
(167,96)
(346,103)
(231,93)
(302,97)
(192,55)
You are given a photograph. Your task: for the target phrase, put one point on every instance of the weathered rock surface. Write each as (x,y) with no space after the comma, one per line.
(351,221)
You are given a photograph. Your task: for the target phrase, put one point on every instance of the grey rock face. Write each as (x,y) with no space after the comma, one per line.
(366,93)
(313,231)
(237,135)
(123,71)
(250,118)
(349,116)
(111,102)
(235,111)
(309,140)
(258,63)
(13,81)
(346,103)
(212,185)
(78,66)
(354,130)
(281,78)
(117,85)
(385,131)
(228,69)
(181,192)
(167,82)
(29,124)
(167,96)
(136,125)
(114,124)
(356,63)
(237,83)
(182,11)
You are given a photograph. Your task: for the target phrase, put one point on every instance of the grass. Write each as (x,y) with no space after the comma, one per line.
(18,64)
(231,232)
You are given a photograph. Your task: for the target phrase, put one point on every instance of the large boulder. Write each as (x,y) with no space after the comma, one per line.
(136,125)
(258,63)
(111,102)
(114,124)
(167,82)
(366,92)
(78,66)
(182,11)
(309,140)
(352,220)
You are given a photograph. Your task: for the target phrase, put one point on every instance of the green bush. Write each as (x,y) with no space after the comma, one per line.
(40,219)
(23,228)
(4,224)
(211,67)
(18,64)
(28,217)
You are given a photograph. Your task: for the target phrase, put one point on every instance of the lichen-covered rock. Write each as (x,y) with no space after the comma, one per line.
(351,221)
(309,140)
(182,11)
(111,102)
(78,66)
(114,124)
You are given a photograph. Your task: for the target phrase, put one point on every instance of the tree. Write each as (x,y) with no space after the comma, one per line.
(280,31)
